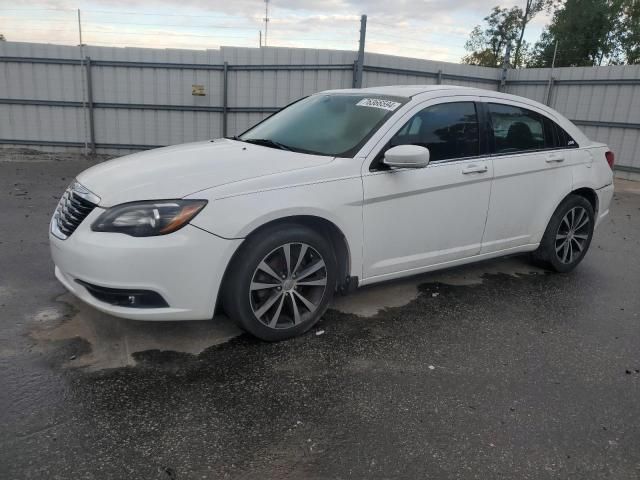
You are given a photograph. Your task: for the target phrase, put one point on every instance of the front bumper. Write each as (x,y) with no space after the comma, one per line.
(184,267)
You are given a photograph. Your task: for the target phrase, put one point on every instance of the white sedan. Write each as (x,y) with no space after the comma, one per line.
(341,189)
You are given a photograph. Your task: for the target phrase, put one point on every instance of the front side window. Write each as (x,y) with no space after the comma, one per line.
(326,124)
(448,130)
(515,129)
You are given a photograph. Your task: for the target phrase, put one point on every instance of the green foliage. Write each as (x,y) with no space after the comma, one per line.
(588,32)
(487,46)
(629,30)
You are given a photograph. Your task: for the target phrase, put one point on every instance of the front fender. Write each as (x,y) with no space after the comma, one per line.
(337,201)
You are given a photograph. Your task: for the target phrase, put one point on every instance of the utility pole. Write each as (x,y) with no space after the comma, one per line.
(360,62)
(260,39)
(266,20)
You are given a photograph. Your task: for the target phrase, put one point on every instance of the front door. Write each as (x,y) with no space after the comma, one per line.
(417,218)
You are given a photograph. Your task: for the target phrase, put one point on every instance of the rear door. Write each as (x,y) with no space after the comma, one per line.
(414,218)
(532,173)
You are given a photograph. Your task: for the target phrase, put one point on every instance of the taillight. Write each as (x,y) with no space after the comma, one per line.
(610,158)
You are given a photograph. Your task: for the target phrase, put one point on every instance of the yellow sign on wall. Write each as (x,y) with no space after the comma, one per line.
(198,90)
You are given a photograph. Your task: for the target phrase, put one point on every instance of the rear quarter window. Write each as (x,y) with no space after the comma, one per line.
(564,139)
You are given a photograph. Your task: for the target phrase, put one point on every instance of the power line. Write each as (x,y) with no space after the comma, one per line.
(415,27)
(162,34)
(94,22)
(384,24)
(166,34)
(414,40)
(109,12)
(231,27)
(181,46)
(29,10)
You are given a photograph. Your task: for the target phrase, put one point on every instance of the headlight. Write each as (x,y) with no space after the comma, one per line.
(147,219)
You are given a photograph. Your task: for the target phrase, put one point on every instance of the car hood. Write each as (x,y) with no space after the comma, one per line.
(177,171)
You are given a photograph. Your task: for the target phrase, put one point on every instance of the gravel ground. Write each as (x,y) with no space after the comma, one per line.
(497,370)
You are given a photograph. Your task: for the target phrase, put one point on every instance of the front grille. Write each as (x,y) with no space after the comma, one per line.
(74,206)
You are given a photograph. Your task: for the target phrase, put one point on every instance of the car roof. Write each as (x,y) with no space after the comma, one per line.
(434,91)
(400,90)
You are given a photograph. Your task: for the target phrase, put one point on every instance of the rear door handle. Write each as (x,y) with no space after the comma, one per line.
(475,169)
(554,158)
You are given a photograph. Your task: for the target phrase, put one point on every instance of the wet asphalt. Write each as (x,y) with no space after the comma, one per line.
(499,370)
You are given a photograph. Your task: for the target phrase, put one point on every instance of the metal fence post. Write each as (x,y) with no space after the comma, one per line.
(92,130)
(505,68)
(225,92)
(550,91)
(83,79)
(551,79)
(355,74)
(439,81)
(360,62)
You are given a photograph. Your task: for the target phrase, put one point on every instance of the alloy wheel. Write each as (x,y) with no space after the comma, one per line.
(288,285)
(572,235)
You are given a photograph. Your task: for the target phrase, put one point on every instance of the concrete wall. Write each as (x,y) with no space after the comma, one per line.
(143,97)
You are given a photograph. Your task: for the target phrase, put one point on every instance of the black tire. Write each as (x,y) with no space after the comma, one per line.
(563,246)
(243,303)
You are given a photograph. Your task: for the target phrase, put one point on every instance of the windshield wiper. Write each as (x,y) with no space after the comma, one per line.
(266,142)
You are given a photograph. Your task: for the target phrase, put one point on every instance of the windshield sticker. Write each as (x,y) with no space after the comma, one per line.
(378,103)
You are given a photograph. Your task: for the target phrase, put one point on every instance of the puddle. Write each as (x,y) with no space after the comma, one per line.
(114,342)
(368,301)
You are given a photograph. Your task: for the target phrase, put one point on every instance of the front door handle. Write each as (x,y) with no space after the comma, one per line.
(554,159)
(475,169)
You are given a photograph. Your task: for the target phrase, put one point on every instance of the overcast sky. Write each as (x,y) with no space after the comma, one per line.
(435,30)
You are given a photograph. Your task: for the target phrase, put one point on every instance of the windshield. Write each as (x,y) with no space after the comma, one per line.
(325,124)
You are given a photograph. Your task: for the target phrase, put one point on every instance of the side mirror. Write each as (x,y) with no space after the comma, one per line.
(407,156)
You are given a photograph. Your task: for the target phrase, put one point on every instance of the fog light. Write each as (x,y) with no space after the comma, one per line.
(125,298)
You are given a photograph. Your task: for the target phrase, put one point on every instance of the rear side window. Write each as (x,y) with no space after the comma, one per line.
(515,129)
(448,130)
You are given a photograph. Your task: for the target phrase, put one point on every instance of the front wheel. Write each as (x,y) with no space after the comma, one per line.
(568,235)
(280,282)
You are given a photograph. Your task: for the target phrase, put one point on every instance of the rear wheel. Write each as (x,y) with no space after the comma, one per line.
(568,235)
(281,282)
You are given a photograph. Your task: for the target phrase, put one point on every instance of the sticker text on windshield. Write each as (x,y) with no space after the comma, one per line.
(378,103)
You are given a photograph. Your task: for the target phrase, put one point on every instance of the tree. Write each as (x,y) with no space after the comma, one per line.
(531,9)
(587,32)
(629,30)
(2,39)
(487,46)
